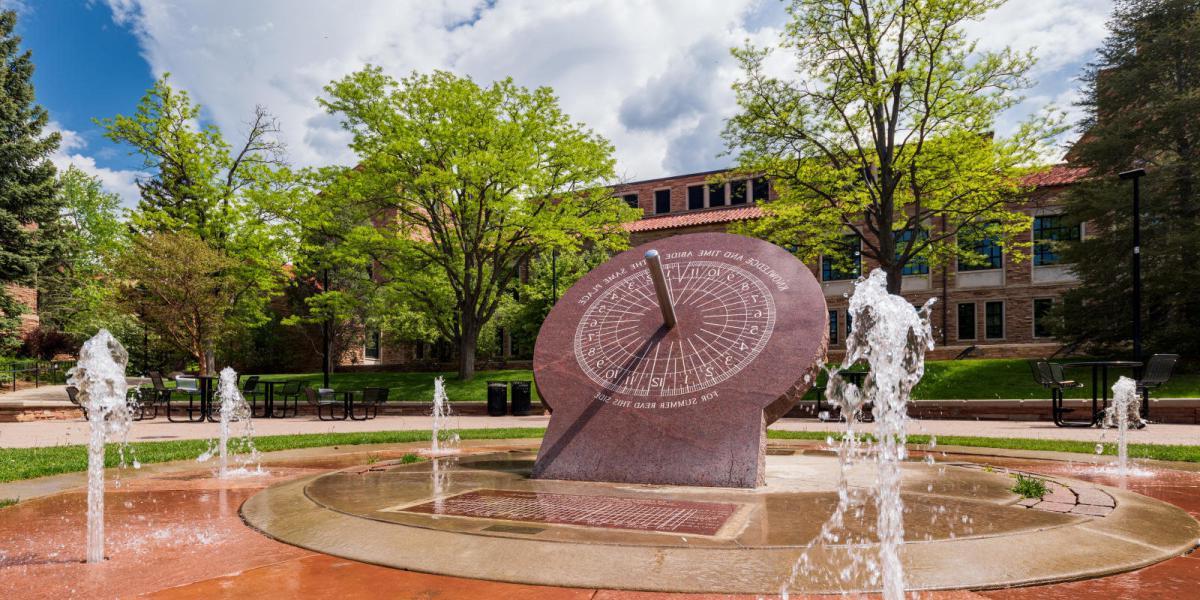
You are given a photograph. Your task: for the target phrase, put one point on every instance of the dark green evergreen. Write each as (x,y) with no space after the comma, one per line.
(28,196)
(1143,100)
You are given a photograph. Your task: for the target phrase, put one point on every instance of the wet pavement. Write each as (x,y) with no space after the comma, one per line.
(176,533)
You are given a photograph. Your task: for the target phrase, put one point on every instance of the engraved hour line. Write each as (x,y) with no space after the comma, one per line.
(698,279)
(692,281)
(735,323)
(607,354)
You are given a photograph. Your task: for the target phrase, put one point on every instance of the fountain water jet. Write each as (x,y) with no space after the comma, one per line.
(442,439)
(892,337)
(233,408)
(1125,401)
(100,377)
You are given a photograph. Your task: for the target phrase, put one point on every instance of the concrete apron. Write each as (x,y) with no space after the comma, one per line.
(964,528)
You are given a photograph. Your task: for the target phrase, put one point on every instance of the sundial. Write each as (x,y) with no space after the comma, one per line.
(665,364)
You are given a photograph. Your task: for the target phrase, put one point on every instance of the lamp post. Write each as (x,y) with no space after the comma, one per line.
(1136,175)
(554,275)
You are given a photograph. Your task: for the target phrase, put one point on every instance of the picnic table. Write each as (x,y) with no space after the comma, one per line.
(1100,382)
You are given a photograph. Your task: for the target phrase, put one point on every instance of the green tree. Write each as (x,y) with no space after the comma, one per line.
(459,184)
(549,278)
(1142,96)
(202,186)
(74,290)
(28,199)
(181,287)
(885,131)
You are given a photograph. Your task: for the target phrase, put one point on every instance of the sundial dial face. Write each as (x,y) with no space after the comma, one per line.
(665,364)
(736,318)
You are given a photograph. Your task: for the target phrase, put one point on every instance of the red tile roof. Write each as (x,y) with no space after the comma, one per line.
(1061,174)
(1057,175)
(693,218)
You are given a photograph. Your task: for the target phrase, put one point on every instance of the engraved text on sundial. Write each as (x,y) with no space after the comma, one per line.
(727,315)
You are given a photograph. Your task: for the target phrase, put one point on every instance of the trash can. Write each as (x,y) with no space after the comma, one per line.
(522,404)
(497,398)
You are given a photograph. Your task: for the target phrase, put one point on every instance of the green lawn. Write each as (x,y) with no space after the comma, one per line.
(944,380)
(27,463)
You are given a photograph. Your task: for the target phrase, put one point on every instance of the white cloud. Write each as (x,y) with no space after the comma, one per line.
(120,182)
(652,76)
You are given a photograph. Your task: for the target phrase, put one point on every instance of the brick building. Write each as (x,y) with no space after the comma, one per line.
(27,297)
(990,310)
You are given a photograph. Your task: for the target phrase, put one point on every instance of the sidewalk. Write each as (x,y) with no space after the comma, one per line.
(55,433)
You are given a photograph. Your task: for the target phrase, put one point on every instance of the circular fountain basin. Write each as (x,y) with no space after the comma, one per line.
(482,517)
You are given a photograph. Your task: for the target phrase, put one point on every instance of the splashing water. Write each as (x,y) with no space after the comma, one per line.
(443,439)
(891,336)
(1125,402)
(100,377)
(233,408)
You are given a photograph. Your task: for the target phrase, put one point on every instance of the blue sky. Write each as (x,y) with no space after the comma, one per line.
(652,76)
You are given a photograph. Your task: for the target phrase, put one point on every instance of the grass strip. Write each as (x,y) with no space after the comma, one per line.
(27,463)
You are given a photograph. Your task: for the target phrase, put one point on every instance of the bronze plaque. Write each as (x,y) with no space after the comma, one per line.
(613,512)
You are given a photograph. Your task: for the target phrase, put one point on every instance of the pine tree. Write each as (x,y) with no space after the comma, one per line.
(28,198)
(1142,97)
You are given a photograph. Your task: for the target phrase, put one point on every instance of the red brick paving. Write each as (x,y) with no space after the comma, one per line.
(180,537)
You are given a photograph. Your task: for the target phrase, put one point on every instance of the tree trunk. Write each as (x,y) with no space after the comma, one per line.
(466,354)
(895,277)
(210,362)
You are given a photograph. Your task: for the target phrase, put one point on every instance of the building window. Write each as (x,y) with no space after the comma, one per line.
(716,195)
(917,265)
(737,192)
(849,324)
(662,202)
(695,197)
(966,321)
(993,320)
(985,252)
(631,200)
(833,330)
(371,347)
(843,263)
(1047,230)
(1041,312)
(761,190)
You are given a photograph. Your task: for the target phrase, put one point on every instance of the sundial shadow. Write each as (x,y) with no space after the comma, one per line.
(594,406)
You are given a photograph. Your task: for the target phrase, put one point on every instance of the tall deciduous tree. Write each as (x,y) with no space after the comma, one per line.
(1142,98)
(74,289)
(201,185)
(459,184)
(28,199)
(182,287)
(885,130)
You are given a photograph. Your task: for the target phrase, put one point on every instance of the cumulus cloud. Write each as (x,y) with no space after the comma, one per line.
(71,153)
(652,77)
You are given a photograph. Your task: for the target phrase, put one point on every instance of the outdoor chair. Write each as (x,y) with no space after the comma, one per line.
(73,396)
(142,403)
(320,401)
(1050,375)
(251,394)
(1157,371)
(372,397)
(291,390)
(190,387)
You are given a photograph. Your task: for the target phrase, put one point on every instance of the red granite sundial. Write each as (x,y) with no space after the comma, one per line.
(665,364)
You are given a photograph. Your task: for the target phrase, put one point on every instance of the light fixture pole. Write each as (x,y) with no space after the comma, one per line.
(554,276)
(1136,175)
